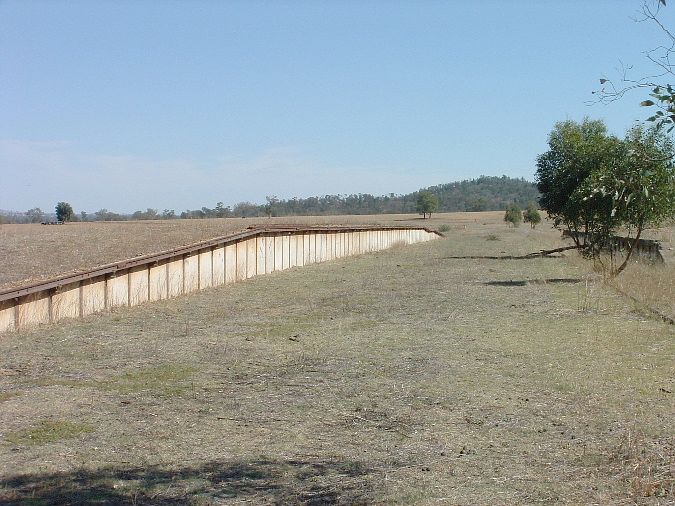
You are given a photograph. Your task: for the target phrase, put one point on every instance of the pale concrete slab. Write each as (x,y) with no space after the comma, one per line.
(93,295)
(230,263)
(218,265)
(278,252)
(117,289)
(205,269)
(139,289)
(158,285)
(269,254)
(286,252)
(300,250)
(251,257)
(261,252)
(175,275)
(241,260)
(66,302)
(292,251)
(33,309)
(191,273)
(7,316)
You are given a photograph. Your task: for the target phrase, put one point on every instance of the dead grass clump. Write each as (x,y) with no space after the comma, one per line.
(652,285)
(647,466)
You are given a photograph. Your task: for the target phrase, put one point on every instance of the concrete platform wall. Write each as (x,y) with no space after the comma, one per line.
(180,272)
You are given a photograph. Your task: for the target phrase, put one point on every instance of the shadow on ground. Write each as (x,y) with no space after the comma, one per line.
(310,482)
(525,282)
(504,257)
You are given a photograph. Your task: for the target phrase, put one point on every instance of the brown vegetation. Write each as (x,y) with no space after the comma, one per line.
(412,375)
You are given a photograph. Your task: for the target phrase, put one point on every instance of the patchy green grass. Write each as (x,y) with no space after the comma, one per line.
(48,431)
(4,396)
(416,375)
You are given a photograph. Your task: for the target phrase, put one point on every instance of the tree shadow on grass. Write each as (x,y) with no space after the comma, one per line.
(502,257)
(310,482)
(525,282)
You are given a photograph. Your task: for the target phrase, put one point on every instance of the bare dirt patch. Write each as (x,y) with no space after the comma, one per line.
(400,376)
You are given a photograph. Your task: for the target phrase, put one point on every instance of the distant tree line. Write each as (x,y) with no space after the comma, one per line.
(486,193)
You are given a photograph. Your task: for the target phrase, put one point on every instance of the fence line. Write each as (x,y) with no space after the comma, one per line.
(191,268)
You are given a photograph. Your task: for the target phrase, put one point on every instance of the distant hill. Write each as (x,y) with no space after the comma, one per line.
(486,193)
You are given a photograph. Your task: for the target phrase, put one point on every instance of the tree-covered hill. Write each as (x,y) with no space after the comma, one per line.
(486,193)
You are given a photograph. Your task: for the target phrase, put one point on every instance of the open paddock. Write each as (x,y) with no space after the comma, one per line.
(412,375)
(32,252)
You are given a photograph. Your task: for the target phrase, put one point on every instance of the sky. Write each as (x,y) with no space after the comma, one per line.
(128,105)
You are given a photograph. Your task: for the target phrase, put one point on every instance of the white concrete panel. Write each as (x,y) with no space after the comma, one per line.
(328,250)
(117,289)
(93,296)
(278,252)
(139,291)
(191,273)
(218,257)
(241,260)
(34,309)
(269,254)
(231,263)
(286,252)
(157,283)
(321,253)
(306,249)
(261,252)
(293,250)
(66,302)
(175,277)
(300,250)
(7,316)
(205,269)
(251,257)
(311,240)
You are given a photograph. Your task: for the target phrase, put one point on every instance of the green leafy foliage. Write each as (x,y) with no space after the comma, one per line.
(595,183)
(513,215)
(427,203)
(531,215)
(64,211)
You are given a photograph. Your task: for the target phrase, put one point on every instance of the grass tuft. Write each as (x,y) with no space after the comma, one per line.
(48,431)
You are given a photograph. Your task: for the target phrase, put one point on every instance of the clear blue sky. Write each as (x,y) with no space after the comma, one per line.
(132,104)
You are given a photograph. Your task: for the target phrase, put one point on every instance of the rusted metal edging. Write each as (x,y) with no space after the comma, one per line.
(152,258)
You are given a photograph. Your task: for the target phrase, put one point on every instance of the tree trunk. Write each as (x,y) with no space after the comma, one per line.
(630,252)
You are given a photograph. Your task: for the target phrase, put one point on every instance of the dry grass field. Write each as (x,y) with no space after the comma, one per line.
(34,252)
(422,374)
